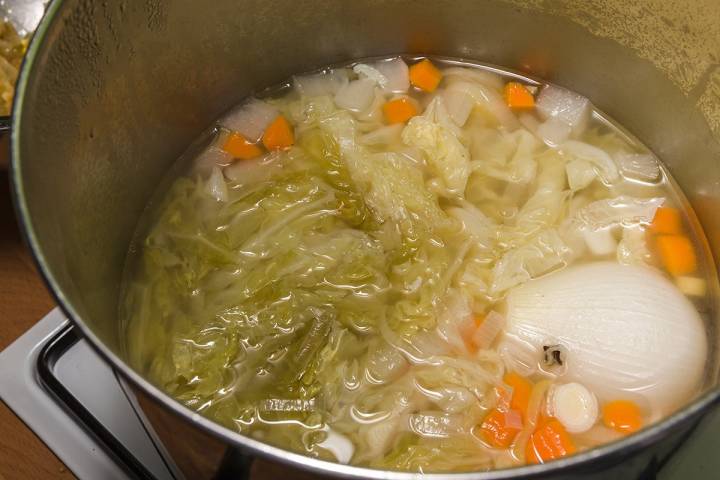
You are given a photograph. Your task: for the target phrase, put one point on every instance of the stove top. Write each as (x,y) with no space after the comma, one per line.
(55,382)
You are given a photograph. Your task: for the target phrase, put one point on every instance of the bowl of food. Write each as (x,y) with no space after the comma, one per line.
(468,240)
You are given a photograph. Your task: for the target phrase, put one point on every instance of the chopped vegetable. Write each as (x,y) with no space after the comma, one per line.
(436,135)
(399,110)
(459,105)
(639,166)
(357,95)
(518,96)
(425,76)
(279,134)
(548,442)
(396,72)
(371,73)
(574,406)
(488,329)
(570,107)
(210,158)
(521,389)
(385,135)
(496,431)
(605,165)
(340,446)
(216,185)
(319,84)
(489,101)
(633,248)
(693,286)
(666,221)
(554,131)
(250,119)
(600,242)
(580,174)
(677,254)
(238,146)
(622,415)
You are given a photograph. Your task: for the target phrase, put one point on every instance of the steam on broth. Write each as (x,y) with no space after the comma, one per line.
(440,267)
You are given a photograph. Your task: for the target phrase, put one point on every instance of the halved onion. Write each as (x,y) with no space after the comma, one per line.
(629,332)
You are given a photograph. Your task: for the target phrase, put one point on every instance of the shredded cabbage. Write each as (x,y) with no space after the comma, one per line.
(325,297)
(437,136)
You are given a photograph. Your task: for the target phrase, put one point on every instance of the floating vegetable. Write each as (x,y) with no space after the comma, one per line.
(521,388)
(518,96)
(622,415)
(498,430)
(395,70)
(239,147)
(628,330)
(666,221)
(677,254)
(574,406)
(425,76)
(278,135)
(569,107)
(549,441)
(399,110)
(250,119)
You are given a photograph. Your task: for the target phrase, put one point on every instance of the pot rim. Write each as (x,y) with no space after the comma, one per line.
(615,450)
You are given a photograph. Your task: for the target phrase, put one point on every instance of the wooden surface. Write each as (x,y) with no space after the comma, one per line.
(23,301)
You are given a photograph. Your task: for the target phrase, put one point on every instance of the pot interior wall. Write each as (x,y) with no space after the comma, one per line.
(116,91)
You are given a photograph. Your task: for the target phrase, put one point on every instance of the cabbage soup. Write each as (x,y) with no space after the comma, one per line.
(420,264)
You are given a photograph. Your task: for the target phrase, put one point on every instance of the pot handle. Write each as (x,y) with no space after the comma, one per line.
(235,465)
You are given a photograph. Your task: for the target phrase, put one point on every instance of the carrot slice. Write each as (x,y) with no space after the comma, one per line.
(278,135)
(399,110)
(521,388)
(518,96)
(622,415)
(667,221)
(238,146)
(677,254)
(548,442)
(496,431)
(425,76)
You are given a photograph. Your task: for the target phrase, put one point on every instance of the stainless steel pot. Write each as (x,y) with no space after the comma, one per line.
(112,92)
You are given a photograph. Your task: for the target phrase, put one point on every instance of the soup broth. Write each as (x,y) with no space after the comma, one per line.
(421,264)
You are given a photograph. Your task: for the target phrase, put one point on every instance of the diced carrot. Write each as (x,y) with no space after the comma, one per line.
(399,110)
(667,221)
(518,96)
(495,430)
(622,415)
(278,135)
(238,146)
(549,441)
(425,76)
(521,388)
(677,254)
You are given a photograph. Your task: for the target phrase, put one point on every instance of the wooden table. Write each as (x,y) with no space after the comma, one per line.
(23,301)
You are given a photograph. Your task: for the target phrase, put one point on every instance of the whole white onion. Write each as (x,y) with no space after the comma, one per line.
(628,331)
